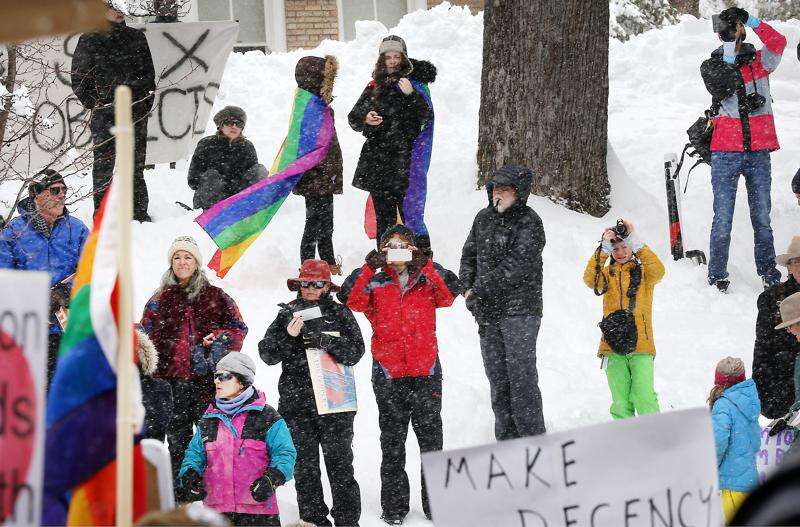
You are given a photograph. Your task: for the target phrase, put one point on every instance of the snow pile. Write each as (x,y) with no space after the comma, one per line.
(655,94)
(632,17)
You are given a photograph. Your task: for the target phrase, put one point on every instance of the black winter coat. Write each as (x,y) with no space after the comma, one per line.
(384,162)
(231,159)
(103,61)
(294,387)
(324,179)
(774,352)
(502,260)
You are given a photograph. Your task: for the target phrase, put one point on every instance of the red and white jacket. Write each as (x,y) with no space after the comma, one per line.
(756,131)
(403,320)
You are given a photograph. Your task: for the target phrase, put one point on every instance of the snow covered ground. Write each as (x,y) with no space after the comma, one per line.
(656,93)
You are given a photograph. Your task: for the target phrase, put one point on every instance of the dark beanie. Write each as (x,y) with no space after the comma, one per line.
(400,230)
(44,179)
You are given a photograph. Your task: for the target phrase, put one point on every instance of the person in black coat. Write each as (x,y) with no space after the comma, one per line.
(390,113)
(501,276)
(776,351)
(225,163)
(103,61)
(318,185)
(285,342)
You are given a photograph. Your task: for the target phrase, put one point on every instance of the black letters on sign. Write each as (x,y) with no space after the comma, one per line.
(462,465)
(187,54)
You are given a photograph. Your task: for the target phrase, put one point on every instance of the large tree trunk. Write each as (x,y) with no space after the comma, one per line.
(544,97)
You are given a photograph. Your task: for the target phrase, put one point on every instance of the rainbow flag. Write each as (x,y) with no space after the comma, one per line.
(235,223)
(80,441)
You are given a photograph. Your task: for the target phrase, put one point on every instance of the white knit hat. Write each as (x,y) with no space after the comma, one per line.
(185,243)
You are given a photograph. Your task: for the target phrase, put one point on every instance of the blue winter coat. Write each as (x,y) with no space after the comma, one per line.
(25,245)
(737,436)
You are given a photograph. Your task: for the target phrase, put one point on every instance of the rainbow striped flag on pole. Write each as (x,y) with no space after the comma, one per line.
(80,444)
(235,223)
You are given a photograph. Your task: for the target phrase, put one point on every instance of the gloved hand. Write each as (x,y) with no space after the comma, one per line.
(264,487)
(192,486)
(419,257)
(375,259)
(59,297)
(732,15)
(316,340)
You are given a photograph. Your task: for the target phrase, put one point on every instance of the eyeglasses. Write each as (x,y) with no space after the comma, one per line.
(223,376)
(317,284)
(55,191)
(233,122)
(397,245)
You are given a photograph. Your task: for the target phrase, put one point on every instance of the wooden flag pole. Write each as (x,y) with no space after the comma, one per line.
(123,181)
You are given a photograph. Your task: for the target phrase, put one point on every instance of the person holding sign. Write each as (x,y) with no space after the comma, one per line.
(312,323)
(241,451)
(627,347)
(400,302)
(192,324)
(45,237)
(737,435)
(225,163)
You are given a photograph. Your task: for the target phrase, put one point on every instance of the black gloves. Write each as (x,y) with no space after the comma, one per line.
(316,340)
(419,257)
(192,486)
(376,259)
(732,15)
(264,487)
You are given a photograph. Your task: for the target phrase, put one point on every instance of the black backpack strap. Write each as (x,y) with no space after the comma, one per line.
(633,287)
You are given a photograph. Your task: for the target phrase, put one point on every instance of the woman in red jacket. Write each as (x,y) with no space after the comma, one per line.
(400,302)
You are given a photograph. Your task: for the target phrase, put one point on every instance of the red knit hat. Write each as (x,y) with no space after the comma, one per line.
(729,371)
(312,271)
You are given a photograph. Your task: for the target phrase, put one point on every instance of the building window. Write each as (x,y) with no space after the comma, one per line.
(388,12)
(249,14)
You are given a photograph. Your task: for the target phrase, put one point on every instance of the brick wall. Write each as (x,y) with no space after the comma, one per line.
(308,22)
(474,5)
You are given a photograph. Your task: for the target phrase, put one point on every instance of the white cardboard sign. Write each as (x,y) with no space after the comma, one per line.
(649,471)
(24,315)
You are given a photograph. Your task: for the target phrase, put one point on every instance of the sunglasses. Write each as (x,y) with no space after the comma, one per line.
(223,376)
(233,122)
(317,284)
(55,191)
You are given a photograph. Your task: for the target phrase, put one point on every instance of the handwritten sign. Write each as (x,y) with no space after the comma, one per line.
(649,471)
(772,451)
(23,375)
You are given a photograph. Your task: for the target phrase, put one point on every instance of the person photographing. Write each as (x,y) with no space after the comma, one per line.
(627,347)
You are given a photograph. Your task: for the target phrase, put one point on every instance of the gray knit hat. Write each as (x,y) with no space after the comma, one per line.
(239,363)
(393,43)
(230,113)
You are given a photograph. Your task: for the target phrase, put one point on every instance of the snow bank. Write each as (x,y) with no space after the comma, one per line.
(656,93)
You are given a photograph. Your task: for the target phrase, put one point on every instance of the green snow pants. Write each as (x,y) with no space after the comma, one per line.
(630,378)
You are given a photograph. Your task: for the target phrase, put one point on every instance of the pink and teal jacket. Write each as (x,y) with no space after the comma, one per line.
(231,452)
(755,131)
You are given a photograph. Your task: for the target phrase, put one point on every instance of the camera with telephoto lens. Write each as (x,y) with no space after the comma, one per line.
(620,229)
(752,102)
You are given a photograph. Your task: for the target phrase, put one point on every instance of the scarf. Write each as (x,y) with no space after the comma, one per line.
(232,406)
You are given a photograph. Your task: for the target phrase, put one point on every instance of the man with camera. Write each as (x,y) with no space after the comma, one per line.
(501,274)
(737,76)
(627,347)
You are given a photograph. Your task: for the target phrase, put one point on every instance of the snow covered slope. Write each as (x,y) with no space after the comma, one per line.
(656,93)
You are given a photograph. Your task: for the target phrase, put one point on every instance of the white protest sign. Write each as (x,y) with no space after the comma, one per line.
(772,450)
(189,59)
(655,470)
(24,298)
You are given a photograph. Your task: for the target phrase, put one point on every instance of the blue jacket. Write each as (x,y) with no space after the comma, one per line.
(26,245)
(737,436)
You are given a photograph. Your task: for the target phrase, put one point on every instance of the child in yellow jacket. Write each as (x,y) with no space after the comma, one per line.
(630,377)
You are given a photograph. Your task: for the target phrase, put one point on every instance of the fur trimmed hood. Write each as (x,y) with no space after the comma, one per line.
(423,71)
(317,75)
(146,352)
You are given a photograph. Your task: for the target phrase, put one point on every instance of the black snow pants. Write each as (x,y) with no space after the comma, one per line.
(508,347)
(334,433)
(105,157)
(387,206)
(318,232)
(251,520)
(414,399)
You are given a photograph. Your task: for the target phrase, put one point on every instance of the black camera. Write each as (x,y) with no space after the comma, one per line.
(620,229)
(752,102)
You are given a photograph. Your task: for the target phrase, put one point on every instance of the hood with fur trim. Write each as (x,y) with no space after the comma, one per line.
(423,71)
(317,75)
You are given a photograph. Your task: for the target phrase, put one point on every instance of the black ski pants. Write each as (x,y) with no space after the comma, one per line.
(414,399)
(53,342)
(318,232)
(387,206)
(508,347)
(240,519)
(105,157)
(334,433)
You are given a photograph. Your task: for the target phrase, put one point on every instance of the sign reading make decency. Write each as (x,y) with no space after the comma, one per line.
(656,470)
(189,58)
(23,375)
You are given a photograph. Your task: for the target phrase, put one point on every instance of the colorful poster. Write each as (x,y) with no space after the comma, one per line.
(772,450)
(334,384)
